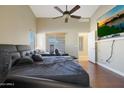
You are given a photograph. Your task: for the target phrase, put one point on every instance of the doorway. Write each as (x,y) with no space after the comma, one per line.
(55,41)
(83,46)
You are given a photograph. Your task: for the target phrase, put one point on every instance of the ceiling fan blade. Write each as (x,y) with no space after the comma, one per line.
(66,20)
(74,16)
(57,8)
(57,17)
(74,9)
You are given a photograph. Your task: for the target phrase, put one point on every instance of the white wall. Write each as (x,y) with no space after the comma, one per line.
(104,47)
(71,29)
(15,24)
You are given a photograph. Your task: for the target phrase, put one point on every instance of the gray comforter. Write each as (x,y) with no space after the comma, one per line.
(63,69)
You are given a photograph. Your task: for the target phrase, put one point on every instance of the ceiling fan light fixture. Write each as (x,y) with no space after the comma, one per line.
(66,16)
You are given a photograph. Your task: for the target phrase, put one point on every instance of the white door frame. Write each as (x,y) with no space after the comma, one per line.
(91,47)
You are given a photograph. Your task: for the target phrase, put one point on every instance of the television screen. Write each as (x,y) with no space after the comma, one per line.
(112,22)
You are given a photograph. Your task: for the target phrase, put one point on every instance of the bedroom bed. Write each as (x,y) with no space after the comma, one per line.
(62,69)
(58,68)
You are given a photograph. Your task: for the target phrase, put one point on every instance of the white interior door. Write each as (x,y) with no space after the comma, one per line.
(91,46)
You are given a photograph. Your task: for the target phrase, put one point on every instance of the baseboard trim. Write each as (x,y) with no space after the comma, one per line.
(111,69)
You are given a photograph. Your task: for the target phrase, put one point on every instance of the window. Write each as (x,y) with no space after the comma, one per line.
(32,39)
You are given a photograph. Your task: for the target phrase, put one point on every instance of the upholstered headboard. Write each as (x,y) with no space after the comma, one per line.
(23,48)
(16,51)
(8,48)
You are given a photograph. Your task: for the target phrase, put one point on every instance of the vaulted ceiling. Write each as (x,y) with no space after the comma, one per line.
(48,11)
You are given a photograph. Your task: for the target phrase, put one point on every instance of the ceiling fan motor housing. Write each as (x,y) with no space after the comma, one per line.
(66,12)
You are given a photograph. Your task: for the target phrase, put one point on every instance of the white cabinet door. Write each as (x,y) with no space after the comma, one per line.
(91,46)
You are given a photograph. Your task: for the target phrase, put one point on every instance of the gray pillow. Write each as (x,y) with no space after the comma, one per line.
(37,57)
(23,61)
(15,56)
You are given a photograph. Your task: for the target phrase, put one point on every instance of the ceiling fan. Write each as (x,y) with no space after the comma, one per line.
(67,14)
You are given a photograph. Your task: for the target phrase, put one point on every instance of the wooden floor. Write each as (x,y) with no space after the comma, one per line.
(101,77)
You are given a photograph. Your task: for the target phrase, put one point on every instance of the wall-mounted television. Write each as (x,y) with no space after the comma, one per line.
(111,23)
